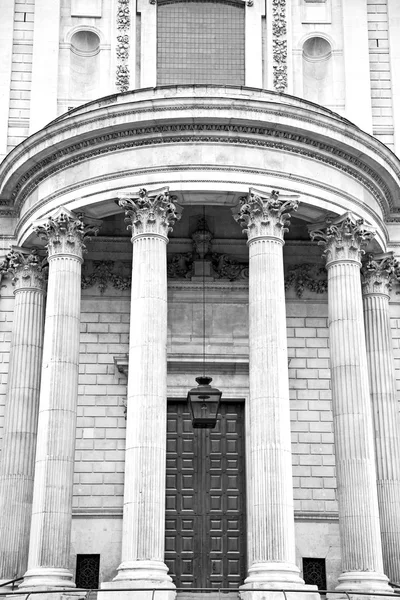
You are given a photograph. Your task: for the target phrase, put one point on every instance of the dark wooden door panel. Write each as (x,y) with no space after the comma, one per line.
(205,508)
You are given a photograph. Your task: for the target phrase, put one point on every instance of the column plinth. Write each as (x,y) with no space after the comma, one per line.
(270,521)
(49,549)
(378,273)
(150,218)
(20,424)
(362,566)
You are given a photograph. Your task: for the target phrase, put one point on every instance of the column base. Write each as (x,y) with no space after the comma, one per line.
(136,577)
(44,578)
(364,581)
(274,577)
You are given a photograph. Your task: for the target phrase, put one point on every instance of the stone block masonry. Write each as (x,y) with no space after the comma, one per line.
(21,74)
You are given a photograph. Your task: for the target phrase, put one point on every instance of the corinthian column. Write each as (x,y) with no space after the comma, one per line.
(22,404)
(378,274)
(150,218)
(362,567)
(49,548)
(271,544)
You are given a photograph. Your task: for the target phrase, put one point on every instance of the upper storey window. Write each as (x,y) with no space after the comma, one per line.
(200,42)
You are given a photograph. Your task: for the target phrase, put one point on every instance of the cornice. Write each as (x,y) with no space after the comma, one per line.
(295,143)
(130,114)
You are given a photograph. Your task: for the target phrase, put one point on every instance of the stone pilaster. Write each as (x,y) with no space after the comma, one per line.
(49,548)
(150,217)
(362,569)
(271,544)
(20,424)
(378,273)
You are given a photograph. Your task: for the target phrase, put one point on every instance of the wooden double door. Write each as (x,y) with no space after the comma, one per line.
(205,538)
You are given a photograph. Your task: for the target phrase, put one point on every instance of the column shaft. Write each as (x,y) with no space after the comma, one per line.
(362,566)
(49,550)
(144,497)
(269,463)
(377,276)
(52,505)
(20,425)
(150,218)
(271,543)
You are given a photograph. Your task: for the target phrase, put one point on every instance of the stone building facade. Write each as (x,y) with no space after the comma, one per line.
(193,187)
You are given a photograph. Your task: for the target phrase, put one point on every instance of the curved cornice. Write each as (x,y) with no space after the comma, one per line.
(201,114)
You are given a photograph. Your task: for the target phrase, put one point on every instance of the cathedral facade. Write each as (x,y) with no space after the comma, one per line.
(200,190)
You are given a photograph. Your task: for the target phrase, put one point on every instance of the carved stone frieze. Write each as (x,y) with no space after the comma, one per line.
(227,267)
(265,215)
(27,268)
(65,232)
(344,238)
(306,276)
(279,45)
(150,214)
(103,275)
(122,47)
(378,273)
(180,266)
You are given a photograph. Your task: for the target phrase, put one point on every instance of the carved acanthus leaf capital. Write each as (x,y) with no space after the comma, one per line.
(150,214)
(343,238)
(265,215)
(65,232)
(378,273)
(27,268)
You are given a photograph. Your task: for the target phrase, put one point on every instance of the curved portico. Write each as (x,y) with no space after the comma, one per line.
(209,146)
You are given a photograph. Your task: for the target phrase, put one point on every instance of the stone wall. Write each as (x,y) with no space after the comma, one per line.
(21,74)
(379,56)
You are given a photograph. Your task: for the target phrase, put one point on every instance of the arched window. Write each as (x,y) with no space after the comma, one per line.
(84,66)
(200,41)
(317,70)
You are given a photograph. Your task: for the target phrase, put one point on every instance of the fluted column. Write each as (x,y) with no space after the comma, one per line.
(150,218)
(378,273)
(362,567)
(271,544)
(21,411)
(49,548)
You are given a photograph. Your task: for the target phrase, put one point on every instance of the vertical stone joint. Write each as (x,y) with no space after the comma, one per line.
(265,215)
(153,213)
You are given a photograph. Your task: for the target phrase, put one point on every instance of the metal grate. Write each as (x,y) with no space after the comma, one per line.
(200,42)
(87,571)
(314,572)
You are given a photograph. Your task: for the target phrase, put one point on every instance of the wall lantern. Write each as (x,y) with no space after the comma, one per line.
(204,403)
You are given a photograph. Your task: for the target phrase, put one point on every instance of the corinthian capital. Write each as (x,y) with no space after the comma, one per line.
(65,232)
(26,268)
(265,215)
(343,238)
(149,214)
(378,273)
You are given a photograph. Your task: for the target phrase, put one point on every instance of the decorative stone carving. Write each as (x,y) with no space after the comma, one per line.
(27,268)
(379,272)
(306,276)
(227,267)
(122,48)
(202,238)
(103,275)
(343,237)
(65,232)
(155,214)
(279,45)
(266,216)
(180,265)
